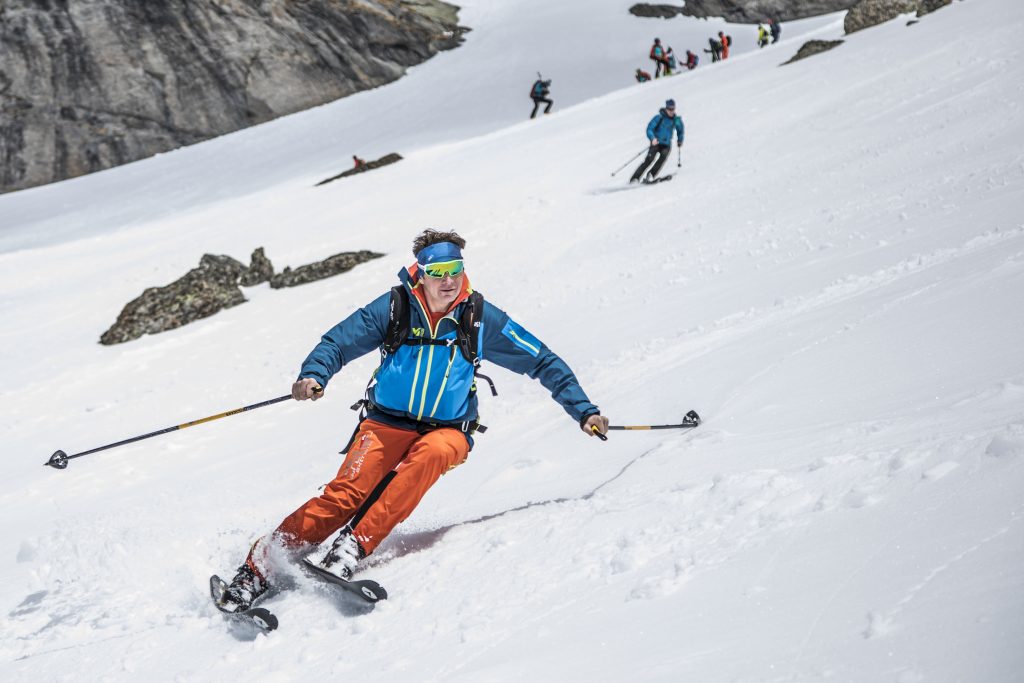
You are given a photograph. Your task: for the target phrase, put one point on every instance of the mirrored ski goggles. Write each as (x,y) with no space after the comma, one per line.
(440,270)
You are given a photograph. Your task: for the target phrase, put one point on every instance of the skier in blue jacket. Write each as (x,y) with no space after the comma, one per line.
(659,132)
(421,409)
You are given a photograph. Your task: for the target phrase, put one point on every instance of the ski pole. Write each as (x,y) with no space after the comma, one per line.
(59,460)
(629,162)
(690,420)
(679,158)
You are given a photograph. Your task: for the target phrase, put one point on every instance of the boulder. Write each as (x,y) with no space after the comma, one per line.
(339,263)
(813,47)
(200,293)
(868,13)
(369,166)
(260,270)
(929,6)
(655,11)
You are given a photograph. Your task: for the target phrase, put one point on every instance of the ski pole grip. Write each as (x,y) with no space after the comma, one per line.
(597,433)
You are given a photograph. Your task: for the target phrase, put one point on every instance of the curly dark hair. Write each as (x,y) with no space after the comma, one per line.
(431,236)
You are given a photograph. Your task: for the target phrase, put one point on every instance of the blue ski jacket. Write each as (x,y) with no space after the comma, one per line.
(661,127)
(434,384)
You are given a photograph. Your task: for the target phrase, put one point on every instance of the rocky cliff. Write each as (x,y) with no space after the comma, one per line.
(90,84)
(745,11)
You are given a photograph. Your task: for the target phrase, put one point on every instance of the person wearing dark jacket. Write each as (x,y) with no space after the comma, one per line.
(776,29)
(691,60)
(539,95)
(659,132)
(658,57)
(716,50)
(421,411)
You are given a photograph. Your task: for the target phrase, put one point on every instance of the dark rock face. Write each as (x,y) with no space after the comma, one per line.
(929,6)
(746,11)
(655,11)
(90,84)
(214,286)
(813,47)
(203,291)
(867,13)
(339,263)
(369,166)
(260,270)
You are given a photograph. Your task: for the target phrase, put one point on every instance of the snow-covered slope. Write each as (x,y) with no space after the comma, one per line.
(834,280)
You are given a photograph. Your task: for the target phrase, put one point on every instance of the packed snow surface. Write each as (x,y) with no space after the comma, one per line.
(834,280)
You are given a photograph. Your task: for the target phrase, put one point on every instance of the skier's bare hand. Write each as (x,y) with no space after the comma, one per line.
(306,388)
(599,421)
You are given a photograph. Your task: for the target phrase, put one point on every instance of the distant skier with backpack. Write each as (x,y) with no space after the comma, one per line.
(418,415)
(539,95)
(658,57)
(659,132)
(691,60)
(670,61)
(762,35)
(776,28)
(726,42)
(716,50)
(642,76)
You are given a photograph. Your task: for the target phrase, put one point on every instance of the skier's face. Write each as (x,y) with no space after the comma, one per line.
(441,292)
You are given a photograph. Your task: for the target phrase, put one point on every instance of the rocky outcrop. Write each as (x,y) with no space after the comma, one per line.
(745,11)
(339,263)
(203,291)
(929,6)
(91,84)
(655,11)
(212,287)
(867,13)
(260,270)
(813,47)
(368,166)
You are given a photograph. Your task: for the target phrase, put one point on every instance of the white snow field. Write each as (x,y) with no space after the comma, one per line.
(834,280)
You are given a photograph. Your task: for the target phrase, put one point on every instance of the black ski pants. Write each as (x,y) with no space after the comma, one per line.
(536,105)
(661,152)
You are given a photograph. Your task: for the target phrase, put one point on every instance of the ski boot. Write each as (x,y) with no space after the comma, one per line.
(342,557)
(244,589)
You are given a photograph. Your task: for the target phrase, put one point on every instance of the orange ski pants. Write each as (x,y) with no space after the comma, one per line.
(419,460)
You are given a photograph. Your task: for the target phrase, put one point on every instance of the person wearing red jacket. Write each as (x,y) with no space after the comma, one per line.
(726,44)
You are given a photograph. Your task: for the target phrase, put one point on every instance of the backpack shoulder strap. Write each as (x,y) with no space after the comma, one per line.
(398,319)
(469,327)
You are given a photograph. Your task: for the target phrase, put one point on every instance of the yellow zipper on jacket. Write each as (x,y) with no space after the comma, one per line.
(430,357)
(440,392)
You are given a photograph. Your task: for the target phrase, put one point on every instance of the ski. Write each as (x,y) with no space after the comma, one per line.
(258,617)
(369,591)
(655,181)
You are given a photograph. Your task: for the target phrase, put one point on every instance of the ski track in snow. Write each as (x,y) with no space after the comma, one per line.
(833,281)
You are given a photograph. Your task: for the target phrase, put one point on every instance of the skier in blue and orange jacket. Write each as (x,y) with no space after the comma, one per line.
(659,132)
(420,411)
